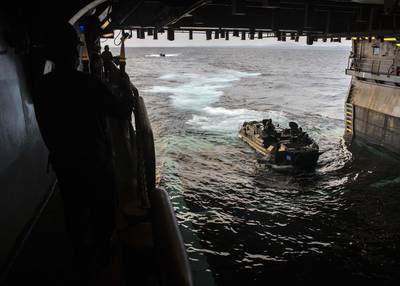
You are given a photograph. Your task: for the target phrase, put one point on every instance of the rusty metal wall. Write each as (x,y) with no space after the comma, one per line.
(374,94)
(377,128)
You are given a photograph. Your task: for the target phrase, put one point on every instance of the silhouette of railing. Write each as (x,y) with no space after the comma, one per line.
(172,260)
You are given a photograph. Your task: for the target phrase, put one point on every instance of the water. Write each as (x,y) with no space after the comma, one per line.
(242,221)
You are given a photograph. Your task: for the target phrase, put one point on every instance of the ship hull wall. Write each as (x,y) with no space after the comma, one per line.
(373,103)
(24,180)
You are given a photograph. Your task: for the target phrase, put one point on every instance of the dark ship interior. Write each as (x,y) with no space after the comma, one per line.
(34,246)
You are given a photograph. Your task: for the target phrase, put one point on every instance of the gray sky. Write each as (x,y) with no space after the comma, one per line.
(199,40)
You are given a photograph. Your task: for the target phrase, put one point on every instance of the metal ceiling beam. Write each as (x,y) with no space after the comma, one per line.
(306,16)
(186,12)
(130,12)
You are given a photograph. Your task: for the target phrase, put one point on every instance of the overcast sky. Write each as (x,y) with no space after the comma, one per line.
(181,40)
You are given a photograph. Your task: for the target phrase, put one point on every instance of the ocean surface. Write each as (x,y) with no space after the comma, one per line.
(242,222)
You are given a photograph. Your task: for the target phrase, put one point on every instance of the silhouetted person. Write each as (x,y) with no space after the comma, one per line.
(269,127)
(107,61)
(96,62)
(294,128)
(269,133)
(71,108)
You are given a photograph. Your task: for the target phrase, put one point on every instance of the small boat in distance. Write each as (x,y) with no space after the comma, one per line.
(284,148)
(162,55)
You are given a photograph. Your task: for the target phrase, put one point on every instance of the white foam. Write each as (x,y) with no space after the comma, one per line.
(225,112)
(159,56)
(228,124)
(198,92)
(191,96)
(168,76)
(225,120)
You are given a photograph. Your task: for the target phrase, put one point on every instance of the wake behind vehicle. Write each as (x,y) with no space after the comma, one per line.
(284,148)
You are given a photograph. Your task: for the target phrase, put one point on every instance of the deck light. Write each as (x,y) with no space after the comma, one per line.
(105,24)
(108,35)
(389,39)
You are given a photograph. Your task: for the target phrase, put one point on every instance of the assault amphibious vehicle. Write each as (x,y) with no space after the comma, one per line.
(283,147)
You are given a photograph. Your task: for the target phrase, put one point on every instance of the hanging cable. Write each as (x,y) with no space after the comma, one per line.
(120,40)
